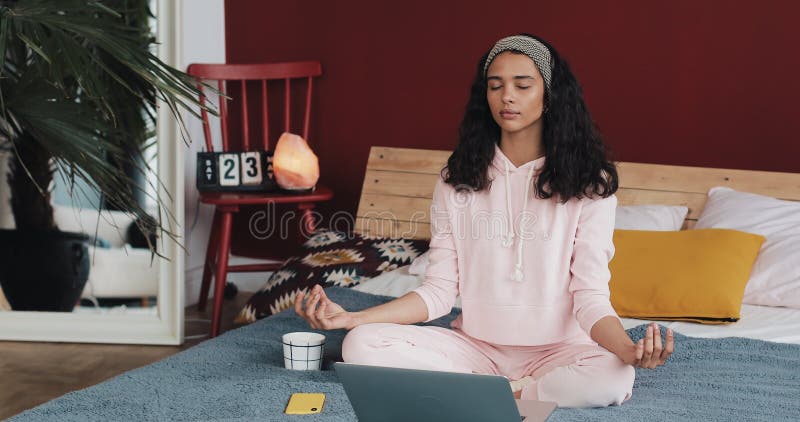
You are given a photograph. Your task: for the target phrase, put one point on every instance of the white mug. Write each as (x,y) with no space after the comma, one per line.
(303,350)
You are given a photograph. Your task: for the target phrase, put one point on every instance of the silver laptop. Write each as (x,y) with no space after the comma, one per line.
(379,393)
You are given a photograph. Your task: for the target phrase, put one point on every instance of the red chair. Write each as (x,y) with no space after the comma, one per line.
(227,203)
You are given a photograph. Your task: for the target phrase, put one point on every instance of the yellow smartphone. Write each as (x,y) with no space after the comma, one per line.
(305,403)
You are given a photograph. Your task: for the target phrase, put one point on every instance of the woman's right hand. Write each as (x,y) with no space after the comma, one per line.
(321,312)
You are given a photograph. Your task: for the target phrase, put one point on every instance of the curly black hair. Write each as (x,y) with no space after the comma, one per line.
(577,163)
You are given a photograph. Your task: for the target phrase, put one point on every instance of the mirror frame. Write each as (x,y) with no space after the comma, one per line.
(167,326)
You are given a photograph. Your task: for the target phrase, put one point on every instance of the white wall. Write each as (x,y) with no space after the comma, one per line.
(203,37)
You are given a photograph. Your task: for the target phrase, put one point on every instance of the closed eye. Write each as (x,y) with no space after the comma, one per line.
(495,88)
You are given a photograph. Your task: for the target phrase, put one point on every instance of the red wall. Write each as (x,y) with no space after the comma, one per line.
(708,83)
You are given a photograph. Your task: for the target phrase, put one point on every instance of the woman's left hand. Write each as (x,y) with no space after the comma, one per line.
(650,352)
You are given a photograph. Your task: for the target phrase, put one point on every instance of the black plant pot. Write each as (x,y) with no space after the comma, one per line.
(44,270)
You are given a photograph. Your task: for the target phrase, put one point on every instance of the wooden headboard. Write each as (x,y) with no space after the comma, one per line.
(398,187)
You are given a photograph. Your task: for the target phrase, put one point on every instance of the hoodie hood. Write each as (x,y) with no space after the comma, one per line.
(500,160)
(505,169)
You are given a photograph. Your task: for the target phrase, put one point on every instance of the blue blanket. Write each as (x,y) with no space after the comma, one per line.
(240,376)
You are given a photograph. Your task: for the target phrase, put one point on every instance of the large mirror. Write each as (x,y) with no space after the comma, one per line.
(97,279)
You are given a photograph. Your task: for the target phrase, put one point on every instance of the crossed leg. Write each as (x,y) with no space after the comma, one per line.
(570,375)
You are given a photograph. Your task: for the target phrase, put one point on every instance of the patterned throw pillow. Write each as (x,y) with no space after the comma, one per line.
(333,259)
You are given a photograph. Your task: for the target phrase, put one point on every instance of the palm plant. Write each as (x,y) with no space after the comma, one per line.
(78,89)
(78,93)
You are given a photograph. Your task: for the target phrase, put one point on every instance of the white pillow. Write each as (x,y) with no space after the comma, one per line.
(394,283)
(775,278)
(629,217)
(419,264)
(650,217)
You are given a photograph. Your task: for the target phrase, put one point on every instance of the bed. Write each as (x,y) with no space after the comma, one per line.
(398,186)
(716,373)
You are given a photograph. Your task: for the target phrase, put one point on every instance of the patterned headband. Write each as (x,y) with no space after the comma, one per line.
(528,46)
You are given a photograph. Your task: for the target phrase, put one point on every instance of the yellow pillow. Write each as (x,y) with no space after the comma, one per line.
(689,275)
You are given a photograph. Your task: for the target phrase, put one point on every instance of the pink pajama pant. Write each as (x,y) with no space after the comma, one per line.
(577,374)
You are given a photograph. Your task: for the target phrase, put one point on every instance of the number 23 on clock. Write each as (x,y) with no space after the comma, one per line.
(231,169)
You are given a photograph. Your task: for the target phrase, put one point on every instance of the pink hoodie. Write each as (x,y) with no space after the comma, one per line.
(545,281)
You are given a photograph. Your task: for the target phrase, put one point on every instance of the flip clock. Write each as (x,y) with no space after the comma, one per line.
(249,171)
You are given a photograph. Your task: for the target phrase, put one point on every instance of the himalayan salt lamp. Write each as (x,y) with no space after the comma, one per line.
(294,164)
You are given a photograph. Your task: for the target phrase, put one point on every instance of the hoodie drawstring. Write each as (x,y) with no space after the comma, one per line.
(509,237)
(517,274)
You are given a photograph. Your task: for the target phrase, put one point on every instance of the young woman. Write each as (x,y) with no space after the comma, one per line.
(522,222)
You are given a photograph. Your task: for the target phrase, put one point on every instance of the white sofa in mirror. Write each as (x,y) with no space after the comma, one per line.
(119,271)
